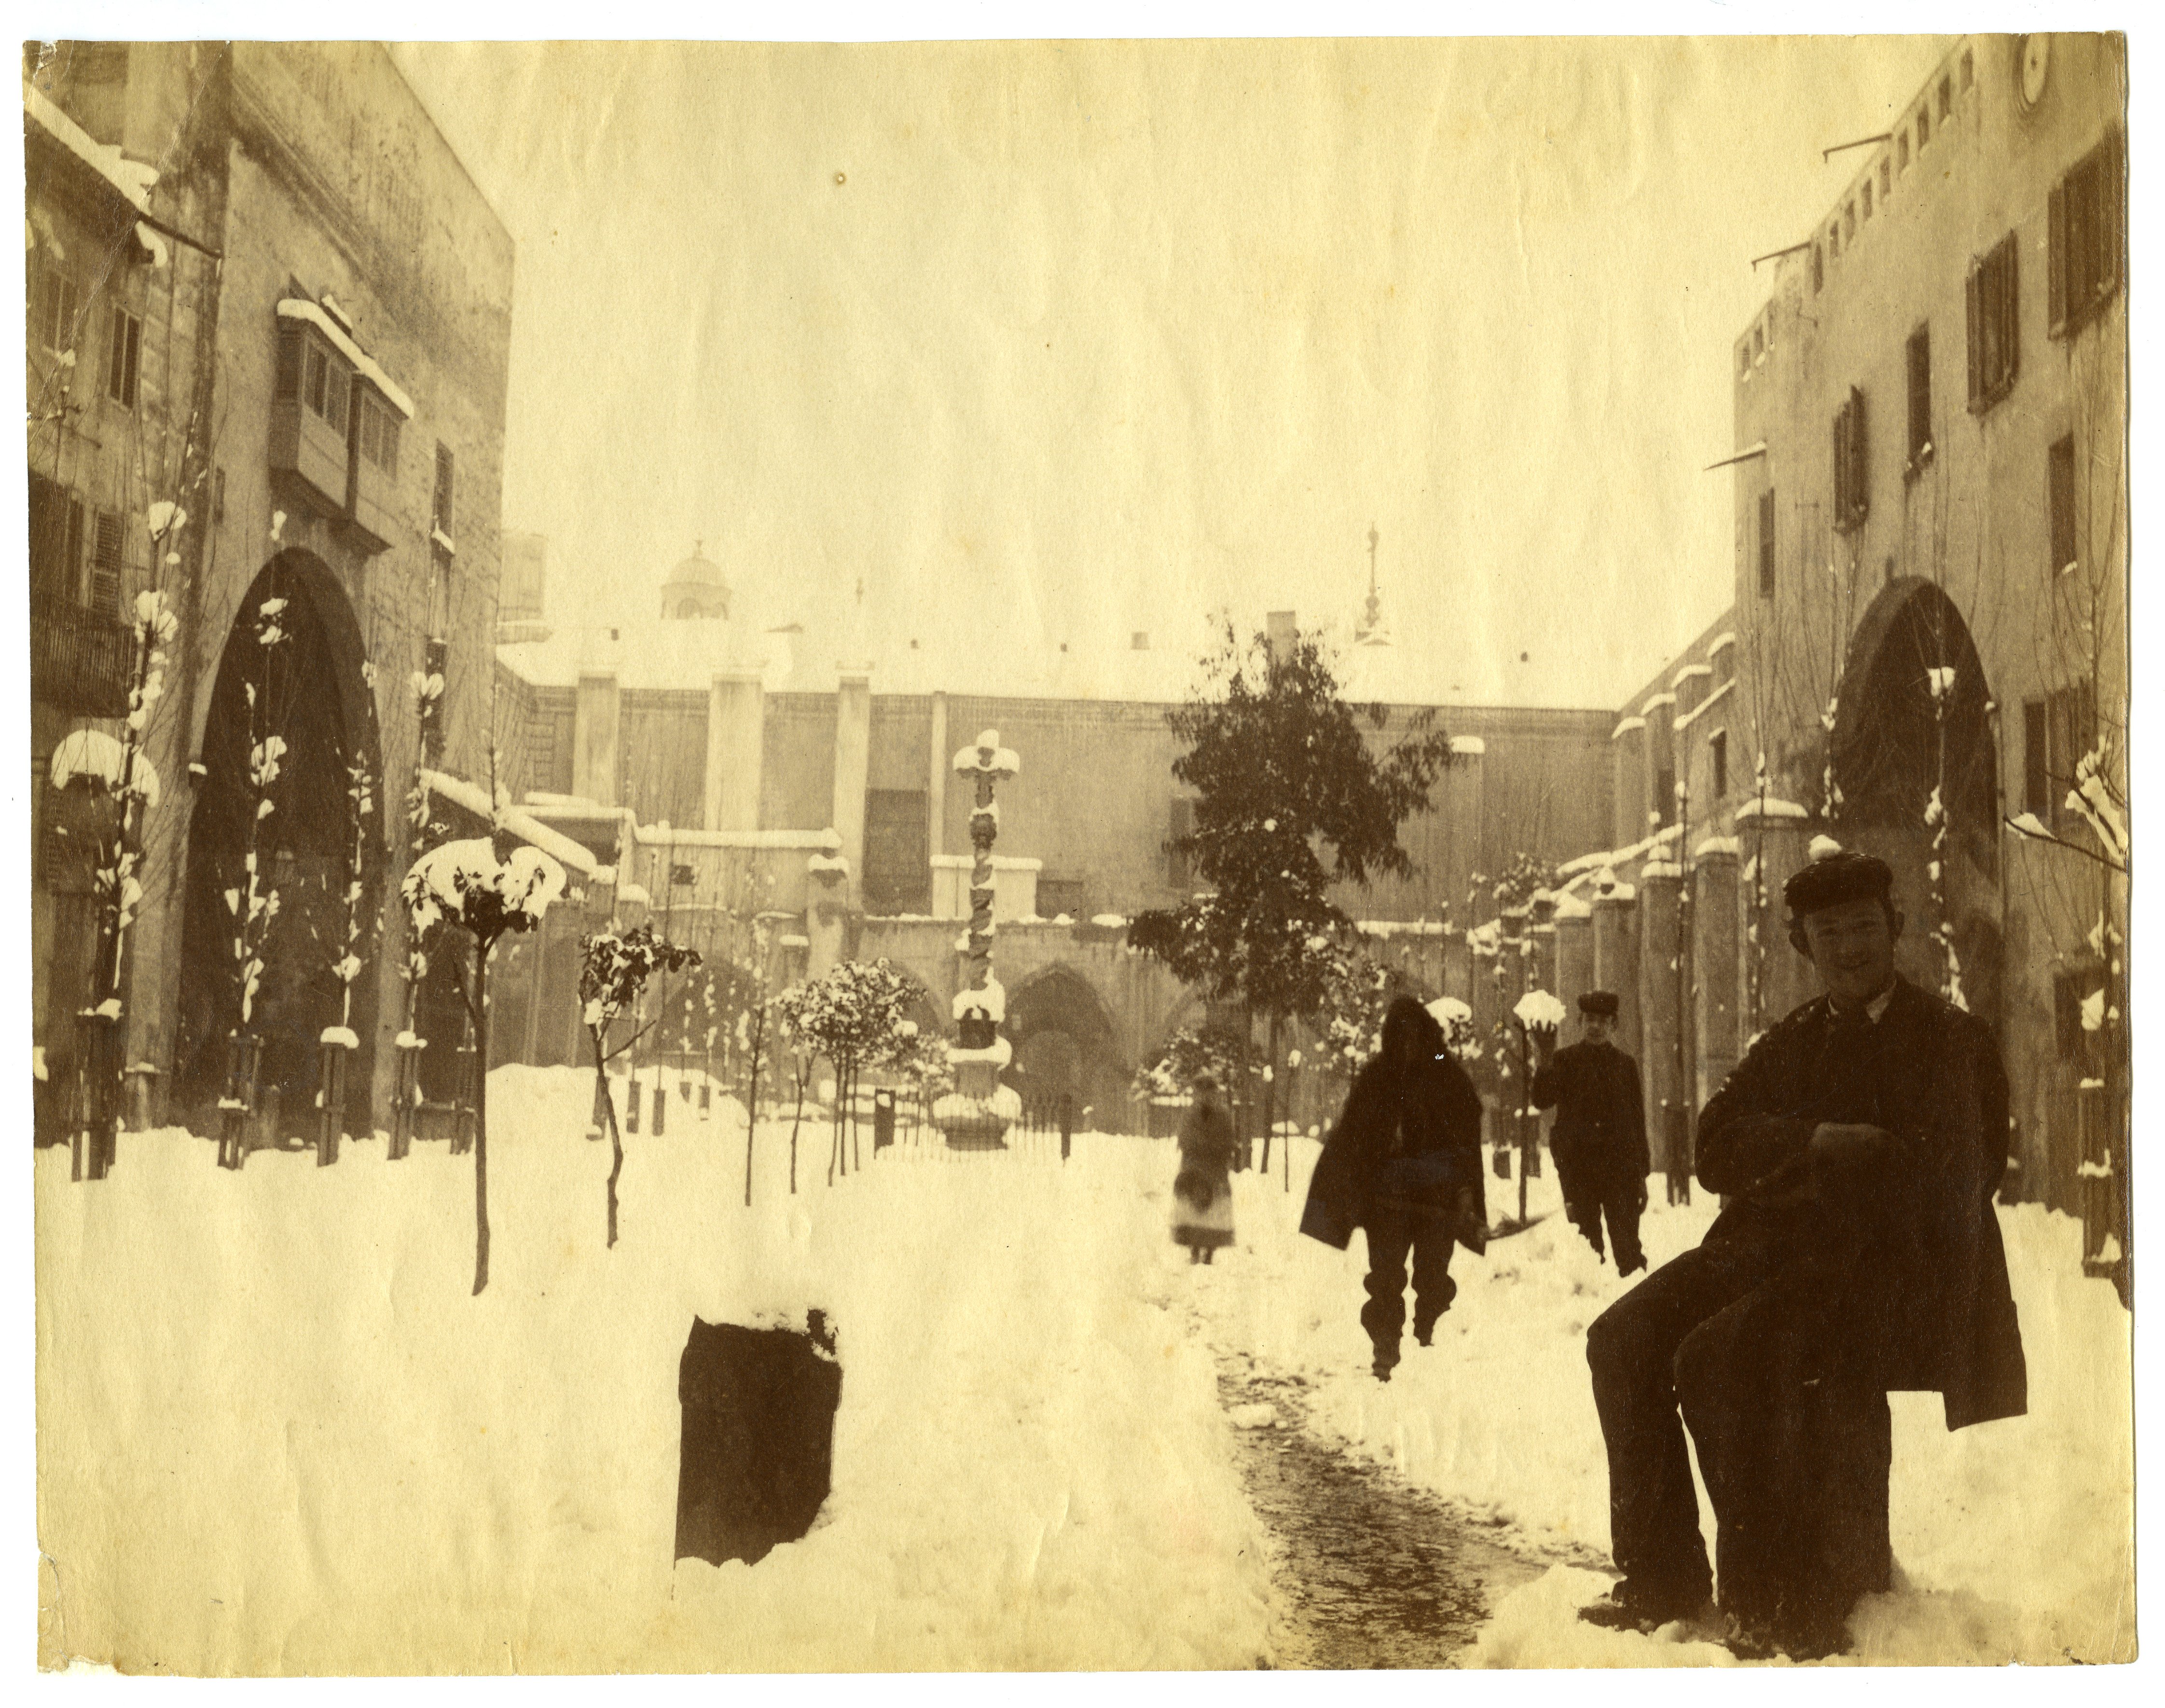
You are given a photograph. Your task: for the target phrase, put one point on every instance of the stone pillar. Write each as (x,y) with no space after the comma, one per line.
(1660,1009)
(936,783)
(597,759)
(1542,968)
(1714,966)
(853,745)
(1457,977)
(1574,951)
(826,917)
(1615,933)
(1773,839)
(735,712)
(1627,747)
(1660,714)
(1465,786)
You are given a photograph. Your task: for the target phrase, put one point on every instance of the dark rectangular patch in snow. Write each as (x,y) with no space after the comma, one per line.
(758,1445)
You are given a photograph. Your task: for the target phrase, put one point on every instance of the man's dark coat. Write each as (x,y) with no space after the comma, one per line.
(1431,1109)
(1601,1116)
(1904,1265)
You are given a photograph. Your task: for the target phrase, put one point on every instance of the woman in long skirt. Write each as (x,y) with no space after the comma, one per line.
(1203,1191)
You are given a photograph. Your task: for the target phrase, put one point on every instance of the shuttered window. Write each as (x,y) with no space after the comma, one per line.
(287,383)
(440,509)
(1766,543)
(2060,505)
(127,353)
(1919,364)
(2085,218)
(1995,314)
(1852,491)
(56,533)
(106,563)
(57,305)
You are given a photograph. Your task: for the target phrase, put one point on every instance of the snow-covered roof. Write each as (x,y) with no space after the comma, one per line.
(1659,699)
(1627,726)
(524,825)
(131,179)
(1471,747)
(1688,671)
(1770,808)
(1706,705)
(301,308)
(1721,643)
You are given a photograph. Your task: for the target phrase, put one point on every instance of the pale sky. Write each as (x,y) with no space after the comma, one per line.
(1048,343)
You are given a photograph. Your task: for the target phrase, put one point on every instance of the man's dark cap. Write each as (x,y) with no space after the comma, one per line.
(1838,878)
(1600,1004)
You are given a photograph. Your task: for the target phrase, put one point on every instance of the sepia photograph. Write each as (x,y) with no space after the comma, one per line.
(1032,856)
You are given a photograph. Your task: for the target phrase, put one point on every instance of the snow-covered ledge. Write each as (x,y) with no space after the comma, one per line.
(302,309)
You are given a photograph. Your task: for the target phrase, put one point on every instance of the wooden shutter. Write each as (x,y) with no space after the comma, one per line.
(2037,791)
(106,564)
(2109,186)
(1973,322)
(2011,318)
(1920,391)
(2056,259)
(445,472)
(2059,504)
(1860,491)
(288,384)
(127,351)
(1766,543)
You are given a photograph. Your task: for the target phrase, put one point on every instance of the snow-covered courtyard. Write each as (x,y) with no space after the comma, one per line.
(326,1457)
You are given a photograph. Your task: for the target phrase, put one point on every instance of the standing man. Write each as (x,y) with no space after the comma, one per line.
(1858,1145)
(1599,1140)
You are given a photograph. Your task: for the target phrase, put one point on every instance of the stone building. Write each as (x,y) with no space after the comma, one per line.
(1928,631)
(263,289)
(704,757)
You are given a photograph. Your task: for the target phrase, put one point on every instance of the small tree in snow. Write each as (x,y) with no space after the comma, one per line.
(358,926)
(856,1015)
(792,1011)
(463,883)
(613,972)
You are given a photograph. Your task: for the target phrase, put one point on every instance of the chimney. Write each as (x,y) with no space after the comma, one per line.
(1279,627)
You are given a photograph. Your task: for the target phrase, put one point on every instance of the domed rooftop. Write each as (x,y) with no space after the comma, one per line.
(696,588)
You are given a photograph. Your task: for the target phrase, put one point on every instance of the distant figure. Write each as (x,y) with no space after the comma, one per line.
(1858,1145)
(1203,1191)
(1404,1163)
(1599,1143)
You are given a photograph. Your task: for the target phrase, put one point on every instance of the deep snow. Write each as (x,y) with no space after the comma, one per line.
(309,1450)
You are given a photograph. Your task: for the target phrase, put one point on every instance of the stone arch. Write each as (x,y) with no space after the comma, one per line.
(1898,739)
(316,697)
(1065,1041)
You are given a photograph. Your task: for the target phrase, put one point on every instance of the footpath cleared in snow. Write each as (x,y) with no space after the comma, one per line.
(277,1435)
(2014,1541)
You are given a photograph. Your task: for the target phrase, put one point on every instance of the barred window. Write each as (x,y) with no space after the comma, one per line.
(1852,491)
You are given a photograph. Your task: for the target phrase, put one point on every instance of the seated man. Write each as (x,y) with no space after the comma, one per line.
(1858,1145)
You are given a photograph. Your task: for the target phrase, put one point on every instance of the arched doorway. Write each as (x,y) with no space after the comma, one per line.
(309,690)
(1065,1043)
(1917,770)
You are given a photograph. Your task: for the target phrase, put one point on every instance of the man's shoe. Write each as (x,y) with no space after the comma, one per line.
(1627,1610)
(1383,1367)
(1633,1269)
(1796,1640)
